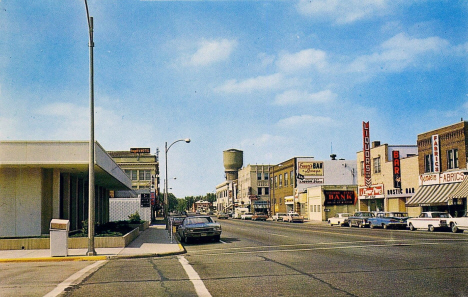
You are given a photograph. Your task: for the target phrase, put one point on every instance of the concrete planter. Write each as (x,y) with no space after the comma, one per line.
(73,242)
(143,226)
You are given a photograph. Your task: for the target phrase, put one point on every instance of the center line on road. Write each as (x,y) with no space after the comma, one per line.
(200,288)
(278,234)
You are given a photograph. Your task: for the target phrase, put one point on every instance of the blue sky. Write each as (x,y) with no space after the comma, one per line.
(276,79)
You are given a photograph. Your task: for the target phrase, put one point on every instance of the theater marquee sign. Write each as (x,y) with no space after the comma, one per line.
(372,192)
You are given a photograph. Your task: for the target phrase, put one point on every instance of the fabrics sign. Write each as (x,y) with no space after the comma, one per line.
(435,152)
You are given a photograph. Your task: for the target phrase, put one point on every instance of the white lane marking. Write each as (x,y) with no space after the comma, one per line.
(69,281)
(223,242)
(274,234)
(194,278)
(308,249)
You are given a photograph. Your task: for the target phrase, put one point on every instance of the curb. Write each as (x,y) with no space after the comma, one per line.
(55,259)
(182,250)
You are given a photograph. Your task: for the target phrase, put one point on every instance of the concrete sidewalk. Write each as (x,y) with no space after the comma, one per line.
(153,242)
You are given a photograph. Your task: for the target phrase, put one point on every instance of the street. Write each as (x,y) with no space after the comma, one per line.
(284,259)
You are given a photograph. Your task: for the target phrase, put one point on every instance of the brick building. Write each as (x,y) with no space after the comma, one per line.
(442,164)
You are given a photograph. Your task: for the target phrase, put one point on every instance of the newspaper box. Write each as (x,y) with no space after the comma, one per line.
(59,230)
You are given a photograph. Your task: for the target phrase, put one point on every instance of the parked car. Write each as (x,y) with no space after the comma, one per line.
(247,216)
(222,215)
(388,220)
(259,216)
(293,217)
(199,227)
(458,223)
(430,220)
(360,219)
(339,219)
(279,216)
(176,220)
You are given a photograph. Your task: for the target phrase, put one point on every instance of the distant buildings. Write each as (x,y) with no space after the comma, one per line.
(409,178)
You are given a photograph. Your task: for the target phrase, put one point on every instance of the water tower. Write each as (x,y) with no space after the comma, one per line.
(233,160)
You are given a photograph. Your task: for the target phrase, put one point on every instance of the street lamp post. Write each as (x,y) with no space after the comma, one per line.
(91,194)
(166,205)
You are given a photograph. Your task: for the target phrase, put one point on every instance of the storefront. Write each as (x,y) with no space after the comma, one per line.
(372,198)
(326,201)
(440,192)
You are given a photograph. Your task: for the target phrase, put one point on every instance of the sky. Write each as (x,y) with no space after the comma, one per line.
(275,79)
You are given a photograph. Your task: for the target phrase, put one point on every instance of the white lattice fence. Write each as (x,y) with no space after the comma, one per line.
(121,208)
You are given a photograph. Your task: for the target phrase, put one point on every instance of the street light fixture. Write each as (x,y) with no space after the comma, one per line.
(91,194)
(166,205)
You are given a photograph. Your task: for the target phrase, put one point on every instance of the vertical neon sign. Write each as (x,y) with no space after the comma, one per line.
(367,156)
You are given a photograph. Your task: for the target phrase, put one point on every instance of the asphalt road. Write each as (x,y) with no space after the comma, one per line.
(283,259)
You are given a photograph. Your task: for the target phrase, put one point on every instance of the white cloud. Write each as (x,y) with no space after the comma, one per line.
(296,96)
(304,120)
(214,51)
(398,53)
(302,60)
(259,83)
(344,12)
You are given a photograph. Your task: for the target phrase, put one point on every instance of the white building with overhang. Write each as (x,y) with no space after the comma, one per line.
(45,180)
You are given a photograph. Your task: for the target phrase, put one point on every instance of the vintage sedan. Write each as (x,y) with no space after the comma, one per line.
(199,227)
(176,220)
(293,217)
(430,220)
(339,219)
(360,219)
(223,215)
(279,216)
(259,216)
(247,216)
(389,220)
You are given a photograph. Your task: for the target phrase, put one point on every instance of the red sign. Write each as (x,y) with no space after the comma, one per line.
(367,155)
(375,190)
(140,150)
(339,197)
(396,170)
(435,152)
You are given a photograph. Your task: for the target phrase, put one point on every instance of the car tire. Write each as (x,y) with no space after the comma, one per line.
(411,227)
(431,228)
(217,238)
(454,228)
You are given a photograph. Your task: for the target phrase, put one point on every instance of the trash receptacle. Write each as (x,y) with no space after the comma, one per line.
(59,230)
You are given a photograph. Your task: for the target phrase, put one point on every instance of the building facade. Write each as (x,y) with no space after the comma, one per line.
(45,180)
(394,176)
(142,168)
(291,179)
(254,187)
(442,164)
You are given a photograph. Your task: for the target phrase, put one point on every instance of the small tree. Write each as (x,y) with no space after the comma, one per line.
(135,218)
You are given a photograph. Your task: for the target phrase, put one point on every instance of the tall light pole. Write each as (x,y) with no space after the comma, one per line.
(91,194)
(166,205)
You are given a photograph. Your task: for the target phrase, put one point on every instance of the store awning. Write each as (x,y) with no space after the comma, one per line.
(461,191)
(432,195)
